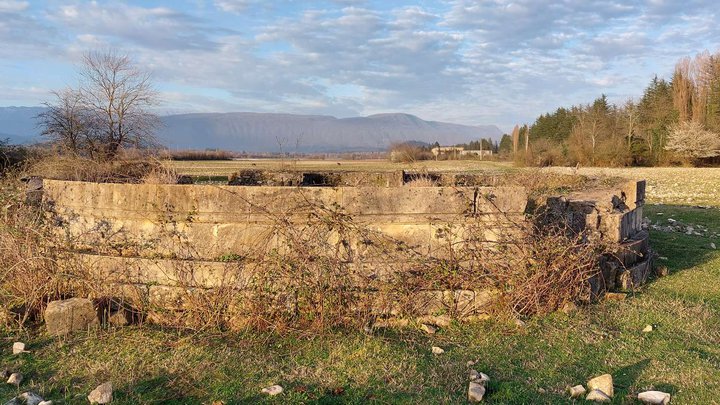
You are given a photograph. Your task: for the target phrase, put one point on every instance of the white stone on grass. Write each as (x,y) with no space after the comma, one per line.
(46,403)
(18,347)
(577,391)
(603,383)
(437,350)
(476,392)
(31,398)
(647,329)
(102,394)
(273,390)
(15,379)
(654,397)
(598,396)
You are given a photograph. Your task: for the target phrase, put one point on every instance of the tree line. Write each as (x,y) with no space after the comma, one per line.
(673,122)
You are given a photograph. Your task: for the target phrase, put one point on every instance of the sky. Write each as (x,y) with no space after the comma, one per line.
(469,62)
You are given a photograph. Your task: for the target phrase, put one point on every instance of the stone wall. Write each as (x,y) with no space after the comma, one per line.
(151,243)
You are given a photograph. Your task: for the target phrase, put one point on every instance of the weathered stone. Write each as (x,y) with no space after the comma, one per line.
(74,314)
(119,318)
(15,379)
(476,392)
(46,403)
(576,391)
(647,329)
(598,396)
(437,350)
(430,329)
(273,390)
(478,377)
(31,398)
(611,296)
(654,397)
(442,321)
(603,383)
(102,394)
(18,347)
(635,276)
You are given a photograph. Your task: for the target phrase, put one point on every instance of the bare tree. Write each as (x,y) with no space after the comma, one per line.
(109,110)
(691,140)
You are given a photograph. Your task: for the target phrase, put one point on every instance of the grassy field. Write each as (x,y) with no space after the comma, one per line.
(530,364)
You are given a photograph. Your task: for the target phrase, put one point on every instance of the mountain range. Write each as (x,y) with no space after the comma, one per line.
(271,132)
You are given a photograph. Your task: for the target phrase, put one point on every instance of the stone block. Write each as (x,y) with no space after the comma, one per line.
(635,249)
(635,276)
(66,316)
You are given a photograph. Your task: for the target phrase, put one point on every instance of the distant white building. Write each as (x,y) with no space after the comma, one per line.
(459,151)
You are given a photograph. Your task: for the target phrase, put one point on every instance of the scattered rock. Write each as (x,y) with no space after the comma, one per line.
(442,321)
(46,403)
(31,398)
(428,328)
(15,379)
(476,392)
(18,347)
(671,220)
(102,394)
(612,296)
(119,318)
(569,307)
(481,378)
(273,390)
(654,397)
(603,383)
(598,396)
(437,350)
(576,391)
(712,245)
(647,329)
(74,314)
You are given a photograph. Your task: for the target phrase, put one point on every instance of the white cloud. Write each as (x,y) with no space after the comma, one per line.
(13,6)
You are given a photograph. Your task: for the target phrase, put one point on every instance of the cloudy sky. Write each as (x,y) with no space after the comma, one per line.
(472,62)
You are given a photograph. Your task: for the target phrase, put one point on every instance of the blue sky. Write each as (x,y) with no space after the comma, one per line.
(471,62)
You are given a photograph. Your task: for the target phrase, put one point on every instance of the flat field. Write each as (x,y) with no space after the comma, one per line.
(527,364)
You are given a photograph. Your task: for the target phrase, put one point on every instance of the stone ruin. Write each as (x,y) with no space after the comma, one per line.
(151,243)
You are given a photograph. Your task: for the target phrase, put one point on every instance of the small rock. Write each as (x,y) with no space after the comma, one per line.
(541,390)
(15,379)
(671,220)
(662,258)
(473,375)
(603,383)
(66,316)
(647,329)
(598,396)
(31,398)
(428,328)
(519,323)
(437,350)
(18,347)
(576,391)
(660,213)
(569,307)
(102,394)
(654,397)
(476,392)
(119,318)
(712,245)
(442,321)
(662,271)
(46,403)
(273,390)
(471,363)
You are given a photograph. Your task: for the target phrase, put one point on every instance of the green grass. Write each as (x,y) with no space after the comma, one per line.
(152,365)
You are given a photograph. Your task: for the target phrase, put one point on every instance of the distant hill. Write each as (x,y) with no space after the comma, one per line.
(267,132)
(19,124)
(258,132)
